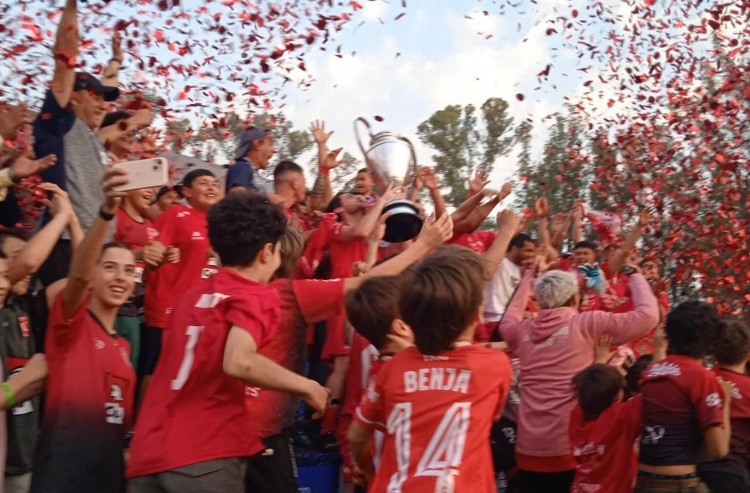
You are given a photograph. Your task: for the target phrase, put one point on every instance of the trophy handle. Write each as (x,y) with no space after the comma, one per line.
(413,152)
(356,134)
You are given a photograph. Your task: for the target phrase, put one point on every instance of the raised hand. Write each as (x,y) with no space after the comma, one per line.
(117,46)
(508,220)
(25,166)
(332,160)
(435,232)
(541,207)
(429,178)
(505,190)
(114,178)
(478,182)
(60,202)
(318,131)
(644,218)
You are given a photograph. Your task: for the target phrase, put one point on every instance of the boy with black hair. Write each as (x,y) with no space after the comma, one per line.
(732,350)
(192,434)
(182,229)
(685,409)
(435,402)
(603,430)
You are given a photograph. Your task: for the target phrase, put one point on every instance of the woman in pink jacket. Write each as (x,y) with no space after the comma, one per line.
(552,349)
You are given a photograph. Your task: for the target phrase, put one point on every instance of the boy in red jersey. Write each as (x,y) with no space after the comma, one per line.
(732,350)
(192,433)
(373,312)
(436,402)
(603,430)
(183,228)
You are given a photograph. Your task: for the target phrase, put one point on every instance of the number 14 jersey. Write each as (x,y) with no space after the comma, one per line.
(436,413)
(193,411)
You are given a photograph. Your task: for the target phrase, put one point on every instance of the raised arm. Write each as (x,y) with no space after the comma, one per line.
(366,225)
(111,73)
(41,244)
(618,258)
(431,182)
(627,326)
(86,256)
(507,225)
(512,320)
(140,119)
(577,234)
(434,233)
(322,182)
(65,52)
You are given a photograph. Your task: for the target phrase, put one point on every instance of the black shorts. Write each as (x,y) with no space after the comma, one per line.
(275,469)
(150,350)
(503,444)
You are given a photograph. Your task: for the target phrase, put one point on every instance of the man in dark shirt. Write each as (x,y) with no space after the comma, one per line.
(253,153)
(72,111)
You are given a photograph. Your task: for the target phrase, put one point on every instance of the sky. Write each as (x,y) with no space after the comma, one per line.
(399,67)
(436,55)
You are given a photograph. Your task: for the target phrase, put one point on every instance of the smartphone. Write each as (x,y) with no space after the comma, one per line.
(146,173)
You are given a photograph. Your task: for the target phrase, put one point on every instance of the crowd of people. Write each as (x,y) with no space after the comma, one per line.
(186,338)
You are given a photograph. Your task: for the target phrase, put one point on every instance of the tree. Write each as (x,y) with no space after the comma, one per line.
(528,189)
(462,145)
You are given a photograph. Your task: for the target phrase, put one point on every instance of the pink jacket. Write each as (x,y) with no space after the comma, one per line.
(553,348)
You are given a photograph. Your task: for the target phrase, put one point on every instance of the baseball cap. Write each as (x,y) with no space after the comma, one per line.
(247,137)
(87,82)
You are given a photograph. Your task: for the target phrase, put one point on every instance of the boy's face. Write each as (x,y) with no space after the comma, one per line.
(583,255)
(4,280)
(364,183)
(203,192)
(11,248)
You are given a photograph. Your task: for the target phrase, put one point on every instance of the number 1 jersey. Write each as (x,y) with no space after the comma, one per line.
(436,413)
(193,411)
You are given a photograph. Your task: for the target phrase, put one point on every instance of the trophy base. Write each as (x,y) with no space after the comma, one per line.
(404,222)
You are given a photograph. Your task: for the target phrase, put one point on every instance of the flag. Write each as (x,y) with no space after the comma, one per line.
(607,224)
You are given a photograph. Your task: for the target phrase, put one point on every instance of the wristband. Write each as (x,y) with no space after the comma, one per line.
(10,398)
(324,171)
(13,176)
(115,59)
(105,216)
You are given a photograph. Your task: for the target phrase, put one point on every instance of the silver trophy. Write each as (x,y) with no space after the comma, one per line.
(392,161)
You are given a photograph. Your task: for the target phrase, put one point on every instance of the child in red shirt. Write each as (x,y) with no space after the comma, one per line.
(603,431)
(435,403)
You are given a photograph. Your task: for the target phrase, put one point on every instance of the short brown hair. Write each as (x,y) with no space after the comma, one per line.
(597,387)
(292,246)
(733,344)
(440,295)
(372,308)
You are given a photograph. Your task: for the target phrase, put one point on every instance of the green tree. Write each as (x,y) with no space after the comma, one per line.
(528,188)
(463,145)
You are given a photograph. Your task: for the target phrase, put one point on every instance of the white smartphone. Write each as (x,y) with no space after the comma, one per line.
(146,173)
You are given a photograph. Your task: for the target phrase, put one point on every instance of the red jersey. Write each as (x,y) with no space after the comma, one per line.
(344,253)
(738,460)
(89,402)
(186,228)
(193,411)
(436,413)
(681,398)
(478,241)
(302,303)
(604,449)
(362,357)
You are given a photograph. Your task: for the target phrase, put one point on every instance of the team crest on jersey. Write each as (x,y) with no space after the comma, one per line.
(114,410)
(662,369)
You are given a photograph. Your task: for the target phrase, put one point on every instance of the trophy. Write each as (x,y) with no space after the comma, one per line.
(392,161)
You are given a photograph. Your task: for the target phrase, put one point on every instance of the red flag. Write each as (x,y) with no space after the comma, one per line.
(607,224)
